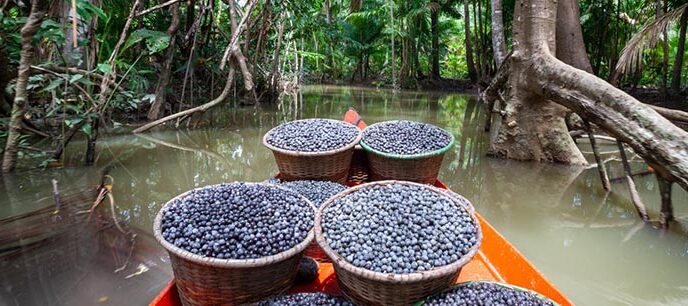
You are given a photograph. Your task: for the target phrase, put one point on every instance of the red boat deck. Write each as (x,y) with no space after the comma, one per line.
(497,260)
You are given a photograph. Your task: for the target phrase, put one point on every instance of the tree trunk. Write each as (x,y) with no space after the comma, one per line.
(403,70)
(274,77)
(394,56)
(477,48)
(190,14)
(264,29)
(21,97)
(434,27)
(602,39)
(498,38)
(665,48)
(5,77)
(328,18)
(678,62)
(482,45)
(238,55)
(570,45)
(472,74)
(532,127)
(355,6)
(166,69)
(418,72)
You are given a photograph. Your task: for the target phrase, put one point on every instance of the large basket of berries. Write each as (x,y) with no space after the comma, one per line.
(313,149)
(405,150)
(481,293)
(395,242)
(237,243)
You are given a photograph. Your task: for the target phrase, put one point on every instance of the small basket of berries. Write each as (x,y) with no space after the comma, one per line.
(236,243)
(405,150)
(313,149)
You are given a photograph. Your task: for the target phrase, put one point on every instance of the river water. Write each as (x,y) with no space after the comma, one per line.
(588,243)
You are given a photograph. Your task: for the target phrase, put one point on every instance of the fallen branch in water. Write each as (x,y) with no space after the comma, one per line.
(56,196)
(131,252)
(202,108)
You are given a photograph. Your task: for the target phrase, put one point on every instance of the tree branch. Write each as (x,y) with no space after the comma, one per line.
(671,114)
(663,145)
(202,108)
(157,7)
(235,35)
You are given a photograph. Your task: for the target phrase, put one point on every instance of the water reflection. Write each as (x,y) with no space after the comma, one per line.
(588,242)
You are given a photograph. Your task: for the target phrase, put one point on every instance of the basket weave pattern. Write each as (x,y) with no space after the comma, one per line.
(358,173)
(366,287)
(423,170)
(328,167)
(211,281)
(209,285)
(365,291)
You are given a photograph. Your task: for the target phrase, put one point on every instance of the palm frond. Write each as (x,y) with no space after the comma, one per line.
(631,55)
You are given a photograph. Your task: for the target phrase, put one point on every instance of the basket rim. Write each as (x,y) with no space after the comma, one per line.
(510,286)
(231,263)
(433,273)
(311,154)
(442,150)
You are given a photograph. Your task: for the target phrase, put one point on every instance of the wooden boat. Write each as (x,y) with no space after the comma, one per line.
(497,259)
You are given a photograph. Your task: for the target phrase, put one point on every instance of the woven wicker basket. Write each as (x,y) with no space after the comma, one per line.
(330,165)
(540,296)
(421,168)
(211,281)
(366,287)
(358,173)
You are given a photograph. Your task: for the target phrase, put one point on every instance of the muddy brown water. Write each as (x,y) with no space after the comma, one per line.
(591,245)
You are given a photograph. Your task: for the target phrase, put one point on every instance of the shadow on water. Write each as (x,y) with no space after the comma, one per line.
(589,243)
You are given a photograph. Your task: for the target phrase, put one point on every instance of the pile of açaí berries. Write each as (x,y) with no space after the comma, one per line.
(395,228)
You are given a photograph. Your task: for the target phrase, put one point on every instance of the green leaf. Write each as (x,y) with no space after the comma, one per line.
(104,68)
(156,41)
(46,24)
(85,9)
(72,122)
(53,84)
(87,129)
(76,78)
